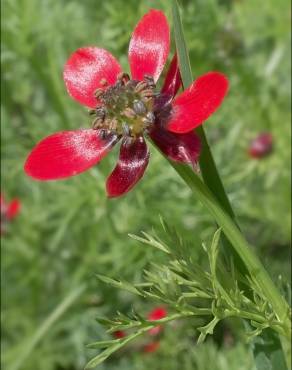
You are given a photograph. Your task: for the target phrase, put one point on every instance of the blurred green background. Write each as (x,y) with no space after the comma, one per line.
(68,230)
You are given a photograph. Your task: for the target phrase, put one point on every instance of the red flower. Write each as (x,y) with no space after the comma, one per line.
(127,109)
(151,347)
(261,146)
(8,211)
(119,334)
(157,313)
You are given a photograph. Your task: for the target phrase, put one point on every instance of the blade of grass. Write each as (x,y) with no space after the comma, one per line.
(207,163)
(46,325)
(208,167)
(213,181)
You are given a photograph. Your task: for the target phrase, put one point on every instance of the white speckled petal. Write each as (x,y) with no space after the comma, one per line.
(86,70)
(67,153)
(149,46)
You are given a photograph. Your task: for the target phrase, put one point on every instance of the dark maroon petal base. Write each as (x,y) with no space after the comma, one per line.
(183,148)
(133,160)
(172,81)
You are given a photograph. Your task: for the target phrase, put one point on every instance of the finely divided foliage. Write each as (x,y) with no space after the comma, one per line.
(189,291)
(264,308)
(68,229)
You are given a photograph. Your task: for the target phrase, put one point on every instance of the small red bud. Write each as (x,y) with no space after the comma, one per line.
(261,146)
(119,334)
(157,314)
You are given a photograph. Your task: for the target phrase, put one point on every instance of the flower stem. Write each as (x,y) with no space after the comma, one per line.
(212,193)
(233,234)
(207,164)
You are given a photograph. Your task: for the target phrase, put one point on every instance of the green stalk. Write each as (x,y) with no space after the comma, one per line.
(207,164)
(212,194)
(233,234)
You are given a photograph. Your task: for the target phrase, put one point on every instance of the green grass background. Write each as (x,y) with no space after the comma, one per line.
(68,230)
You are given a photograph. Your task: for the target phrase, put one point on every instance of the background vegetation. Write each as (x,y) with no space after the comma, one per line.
(68,231)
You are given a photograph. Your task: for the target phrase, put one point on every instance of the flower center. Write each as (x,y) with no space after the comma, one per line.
(126,108)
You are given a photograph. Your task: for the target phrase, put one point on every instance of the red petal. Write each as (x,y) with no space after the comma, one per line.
(151,347)
(149,46)
(85,70)
(156,330)
(67,153)
(133,160)
(13,209)
(157,314)
(198,102)
(172,81)
(183,148)
(118,334)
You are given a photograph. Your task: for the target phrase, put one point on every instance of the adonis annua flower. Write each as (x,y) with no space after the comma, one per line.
(128,109)
(9,210)
(261,146)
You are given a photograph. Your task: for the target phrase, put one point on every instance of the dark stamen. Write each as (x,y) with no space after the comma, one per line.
(127,106)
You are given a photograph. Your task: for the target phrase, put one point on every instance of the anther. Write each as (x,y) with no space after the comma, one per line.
(140,86)
(150,81)
(103,134)
(97,123)
(126,129)
(98,92)
(103,82)
(139,107)
(123,77)
(131,84)
(100,113)
(150,117)
(128,112)
(147,93)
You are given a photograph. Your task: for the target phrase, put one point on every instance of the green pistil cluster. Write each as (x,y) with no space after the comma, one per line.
(127,106)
